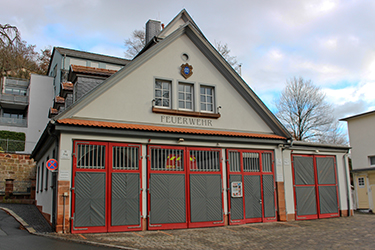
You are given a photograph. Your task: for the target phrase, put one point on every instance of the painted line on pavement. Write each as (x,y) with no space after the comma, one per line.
(254,228)
(165,233)
(138,234)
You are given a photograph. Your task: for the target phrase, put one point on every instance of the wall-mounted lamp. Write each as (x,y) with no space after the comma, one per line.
(181,140)
(218,109)
(153,102)
(316,151)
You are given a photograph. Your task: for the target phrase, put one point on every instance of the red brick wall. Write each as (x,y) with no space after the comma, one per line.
(281,201)
(63,186)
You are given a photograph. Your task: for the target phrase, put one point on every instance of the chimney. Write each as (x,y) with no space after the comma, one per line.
(152,29)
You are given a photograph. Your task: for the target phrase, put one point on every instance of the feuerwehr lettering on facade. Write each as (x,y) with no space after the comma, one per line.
(186,121)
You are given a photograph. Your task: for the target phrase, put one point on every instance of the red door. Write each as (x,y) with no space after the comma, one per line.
(106,187)
(315,186)
(251,186)
(184,187)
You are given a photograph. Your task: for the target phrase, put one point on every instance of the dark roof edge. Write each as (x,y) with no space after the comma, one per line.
(363,169)
(357,115)
(317,146)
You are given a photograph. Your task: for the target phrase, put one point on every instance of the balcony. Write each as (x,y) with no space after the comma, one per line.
(14,101)
(19,122)
(15,82)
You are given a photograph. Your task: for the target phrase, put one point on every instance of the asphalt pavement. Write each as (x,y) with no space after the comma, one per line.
(13,236)
(355,232)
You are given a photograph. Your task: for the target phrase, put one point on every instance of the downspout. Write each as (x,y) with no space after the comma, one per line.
(347,182)
(282,163)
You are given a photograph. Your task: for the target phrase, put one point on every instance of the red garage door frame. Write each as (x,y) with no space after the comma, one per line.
(316,185)
(108,170)
(172,155)
(262,172)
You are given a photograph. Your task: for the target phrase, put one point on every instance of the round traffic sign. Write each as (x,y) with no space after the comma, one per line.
(52,164)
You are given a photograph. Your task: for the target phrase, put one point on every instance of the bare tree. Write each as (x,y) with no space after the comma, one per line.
(135,44)
(138,40)
(224,51)
(44,59)
(17,58)
(334,135)
(303,110)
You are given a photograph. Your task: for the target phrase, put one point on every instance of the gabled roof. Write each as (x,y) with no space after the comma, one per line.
(183,15)
(92,56)
(117,125)
(358,115)
(211,54)
(89,56)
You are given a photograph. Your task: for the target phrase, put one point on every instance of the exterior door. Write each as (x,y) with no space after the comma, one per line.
(315,186)
(251,192)
(184,187)
(106,193)
(206,207)
(362,192)
(166,188)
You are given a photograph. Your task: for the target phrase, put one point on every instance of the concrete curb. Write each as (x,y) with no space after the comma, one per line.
(31,230)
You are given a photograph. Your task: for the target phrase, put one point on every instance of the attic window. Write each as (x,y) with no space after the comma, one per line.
(185,57)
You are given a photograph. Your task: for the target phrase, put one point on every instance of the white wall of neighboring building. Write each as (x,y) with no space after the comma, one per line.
(44,192)
(40,100)
(362,140)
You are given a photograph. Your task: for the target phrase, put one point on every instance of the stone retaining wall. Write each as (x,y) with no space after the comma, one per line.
(17,166)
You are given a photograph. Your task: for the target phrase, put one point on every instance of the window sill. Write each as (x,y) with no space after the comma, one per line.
(185,113)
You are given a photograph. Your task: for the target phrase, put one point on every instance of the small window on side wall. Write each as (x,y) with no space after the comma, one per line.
(372,160)
(185,96)
(207,99)
(162,93)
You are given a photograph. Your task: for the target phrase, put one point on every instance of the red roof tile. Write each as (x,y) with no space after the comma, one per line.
(92,70)
(59,99)
(89,123)
(53,111)
(67,86)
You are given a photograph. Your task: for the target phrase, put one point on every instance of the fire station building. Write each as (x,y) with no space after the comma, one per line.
(177,139)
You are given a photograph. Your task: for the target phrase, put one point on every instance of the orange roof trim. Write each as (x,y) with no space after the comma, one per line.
(88,123)
(92,70)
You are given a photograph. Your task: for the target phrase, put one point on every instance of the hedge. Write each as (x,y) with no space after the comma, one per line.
(12,141)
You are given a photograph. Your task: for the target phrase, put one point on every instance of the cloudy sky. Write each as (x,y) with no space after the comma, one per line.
(331,42)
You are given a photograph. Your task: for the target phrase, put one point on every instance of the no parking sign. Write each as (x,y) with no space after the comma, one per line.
(52,164)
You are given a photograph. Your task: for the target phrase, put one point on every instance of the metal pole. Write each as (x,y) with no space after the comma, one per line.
(64,213)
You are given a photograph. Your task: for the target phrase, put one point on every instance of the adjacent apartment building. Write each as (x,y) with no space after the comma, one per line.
(361,128)
(24,106)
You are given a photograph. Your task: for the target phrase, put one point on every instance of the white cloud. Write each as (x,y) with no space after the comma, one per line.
(275,54)
(327,41)
(321,6)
